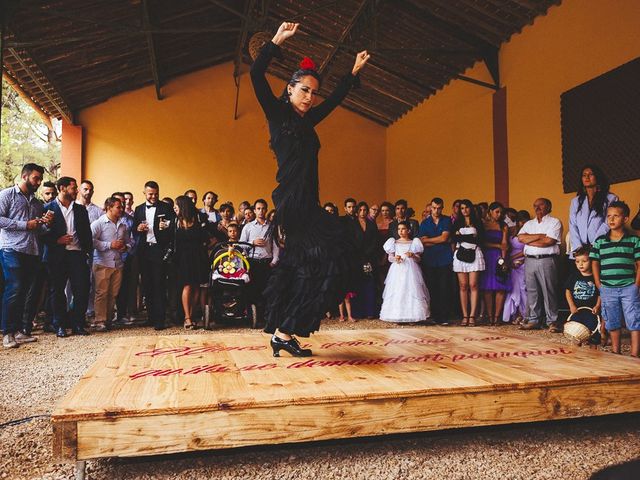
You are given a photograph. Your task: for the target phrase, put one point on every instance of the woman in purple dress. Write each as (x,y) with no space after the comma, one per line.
(515,304)
(494,281)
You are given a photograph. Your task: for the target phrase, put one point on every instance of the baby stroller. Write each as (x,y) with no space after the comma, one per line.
(229,285)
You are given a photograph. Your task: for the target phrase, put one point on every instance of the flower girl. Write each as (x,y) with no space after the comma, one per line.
(405,298)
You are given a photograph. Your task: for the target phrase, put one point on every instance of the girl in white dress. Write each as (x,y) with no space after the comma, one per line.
(405,298)
(468,260)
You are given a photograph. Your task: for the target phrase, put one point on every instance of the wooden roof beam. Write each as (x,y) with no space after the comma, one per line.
(237,13)
(153,59)
(452,29)
(345,33)
(63,110)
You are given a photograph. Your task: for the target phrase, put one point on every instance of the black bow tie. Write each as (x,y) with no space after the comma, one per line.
(150,206)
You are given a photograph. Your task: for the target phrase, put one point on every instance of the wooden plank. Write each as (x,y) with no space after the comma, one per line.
(65,441)
(134,436)
(184,374)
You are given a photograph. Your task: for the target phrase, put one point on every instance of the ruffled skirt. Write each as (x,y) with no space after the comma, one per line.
(315,268)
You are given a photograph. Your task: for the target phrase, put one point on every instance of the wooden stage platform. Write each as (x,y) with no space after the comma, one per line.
(165,394)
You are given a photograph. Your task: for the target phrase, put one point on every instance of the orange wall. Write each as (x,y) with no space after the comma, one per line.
(574,42)
(444,147)
(190,140)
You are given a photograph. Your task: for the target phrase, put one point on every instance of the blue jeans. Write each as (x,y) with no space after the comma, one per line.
(19,271)
(618,302)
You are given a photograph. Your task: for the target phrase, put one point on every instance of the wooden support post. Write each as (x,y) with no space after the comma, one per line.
(500,147)
(81,468)
(477,82)
(153,59)
(490,57)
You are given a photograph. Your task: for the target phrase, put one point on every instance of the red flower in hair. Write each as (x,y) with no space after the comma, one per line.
(307,64)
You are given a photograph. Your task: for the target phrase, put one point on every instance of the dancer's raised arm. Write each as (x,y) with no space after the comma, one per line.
(267,99)
(286,30)
(320,112)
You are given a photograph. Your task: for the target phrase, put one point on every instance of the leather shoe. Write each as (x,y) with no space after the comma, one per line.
(555,327)
(530,326)
(61,333)
(80,331)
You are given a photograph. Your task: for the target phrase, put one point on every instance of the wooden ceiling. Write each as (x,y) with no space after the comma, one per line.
(71,54)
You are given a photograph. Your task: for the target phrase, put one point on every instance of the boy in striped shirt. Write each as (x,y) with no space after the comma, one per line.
(616,271)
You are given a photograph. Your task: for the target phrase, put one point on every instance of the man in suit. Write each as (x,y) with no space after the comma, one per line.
(150,224)
(68,246)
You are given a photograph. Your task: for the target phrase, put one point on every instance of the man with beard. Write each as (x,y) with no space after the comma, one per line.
(68,245)
(22,219)
(85,194)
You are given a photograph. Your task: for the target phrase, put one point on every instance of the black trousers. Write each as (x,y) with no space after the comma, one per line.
(154,283)
(439,281)
(40,282)
(71,266)
(260,273)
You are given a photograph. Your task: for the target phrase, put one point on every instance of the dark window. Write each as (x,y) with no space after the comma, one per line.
(601,125)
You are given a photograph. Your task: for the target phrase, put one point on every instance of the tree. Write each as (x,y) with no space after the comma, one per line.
(26,139)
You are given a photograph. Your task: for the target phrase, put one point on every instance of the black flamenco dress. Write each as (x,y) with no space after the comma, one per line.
(316,264)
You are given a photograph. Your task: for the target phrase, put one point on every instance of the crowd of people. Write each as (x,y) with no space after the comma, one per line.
(78,267)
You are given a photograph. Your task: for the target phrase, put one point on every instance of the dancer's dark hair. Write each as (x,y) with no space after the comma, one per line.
(307,68)
(600,201)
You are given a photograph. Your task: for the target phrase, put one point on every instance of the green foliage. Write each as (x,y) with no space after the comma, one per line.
(25,138)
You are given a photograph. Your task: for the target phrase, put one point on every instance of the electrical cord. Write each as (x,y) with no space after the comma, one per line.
(20,421)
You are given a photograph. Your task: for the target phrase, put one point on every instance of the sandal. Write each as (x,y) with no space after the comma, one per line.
(472,321)
(464,322)
(188,326)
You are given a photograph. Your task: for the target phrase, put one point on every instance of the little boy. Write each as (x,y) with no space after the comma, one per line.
(581,291)
(616,270)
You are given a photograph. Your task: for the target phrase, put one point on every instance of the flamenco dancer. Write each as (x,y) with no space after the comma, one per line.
(312,274)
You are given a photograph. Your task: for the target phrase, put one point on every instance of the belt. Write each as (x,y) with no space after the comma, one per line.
(537,257)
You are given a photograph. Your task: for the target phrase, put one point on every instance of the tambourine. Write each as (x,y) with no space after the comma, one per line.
(582,325)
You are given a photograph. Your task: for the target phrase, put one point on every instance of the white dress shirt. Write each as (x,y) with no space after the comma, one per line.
(93,211)
(254,230)
(549,226)
(150,213)
(69,219)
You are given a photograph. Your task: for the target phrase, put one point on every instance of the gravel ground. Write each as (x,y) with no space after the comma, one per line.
(42,373)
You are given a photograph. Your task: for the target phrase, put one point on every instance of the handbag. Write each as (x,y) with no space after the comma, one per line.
(466,255)
(169,253)
(502,269)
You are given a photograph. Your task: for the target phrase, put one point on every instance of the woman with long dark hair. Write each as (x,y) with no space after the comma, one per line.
(190,254)
(588,210)
(366,243)
(494,281)
(312,274)
(468,261)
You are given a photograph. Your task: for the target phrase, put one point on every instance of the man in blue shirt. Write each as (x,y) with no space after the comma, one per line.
(437,260)
(22,220)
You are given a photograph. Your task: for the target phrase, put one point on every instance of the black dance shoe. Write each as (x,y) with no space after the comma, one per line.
(292,346)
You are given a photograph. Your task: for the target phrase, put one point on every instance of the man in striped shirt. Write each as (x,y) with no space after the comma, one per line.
(616,271)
